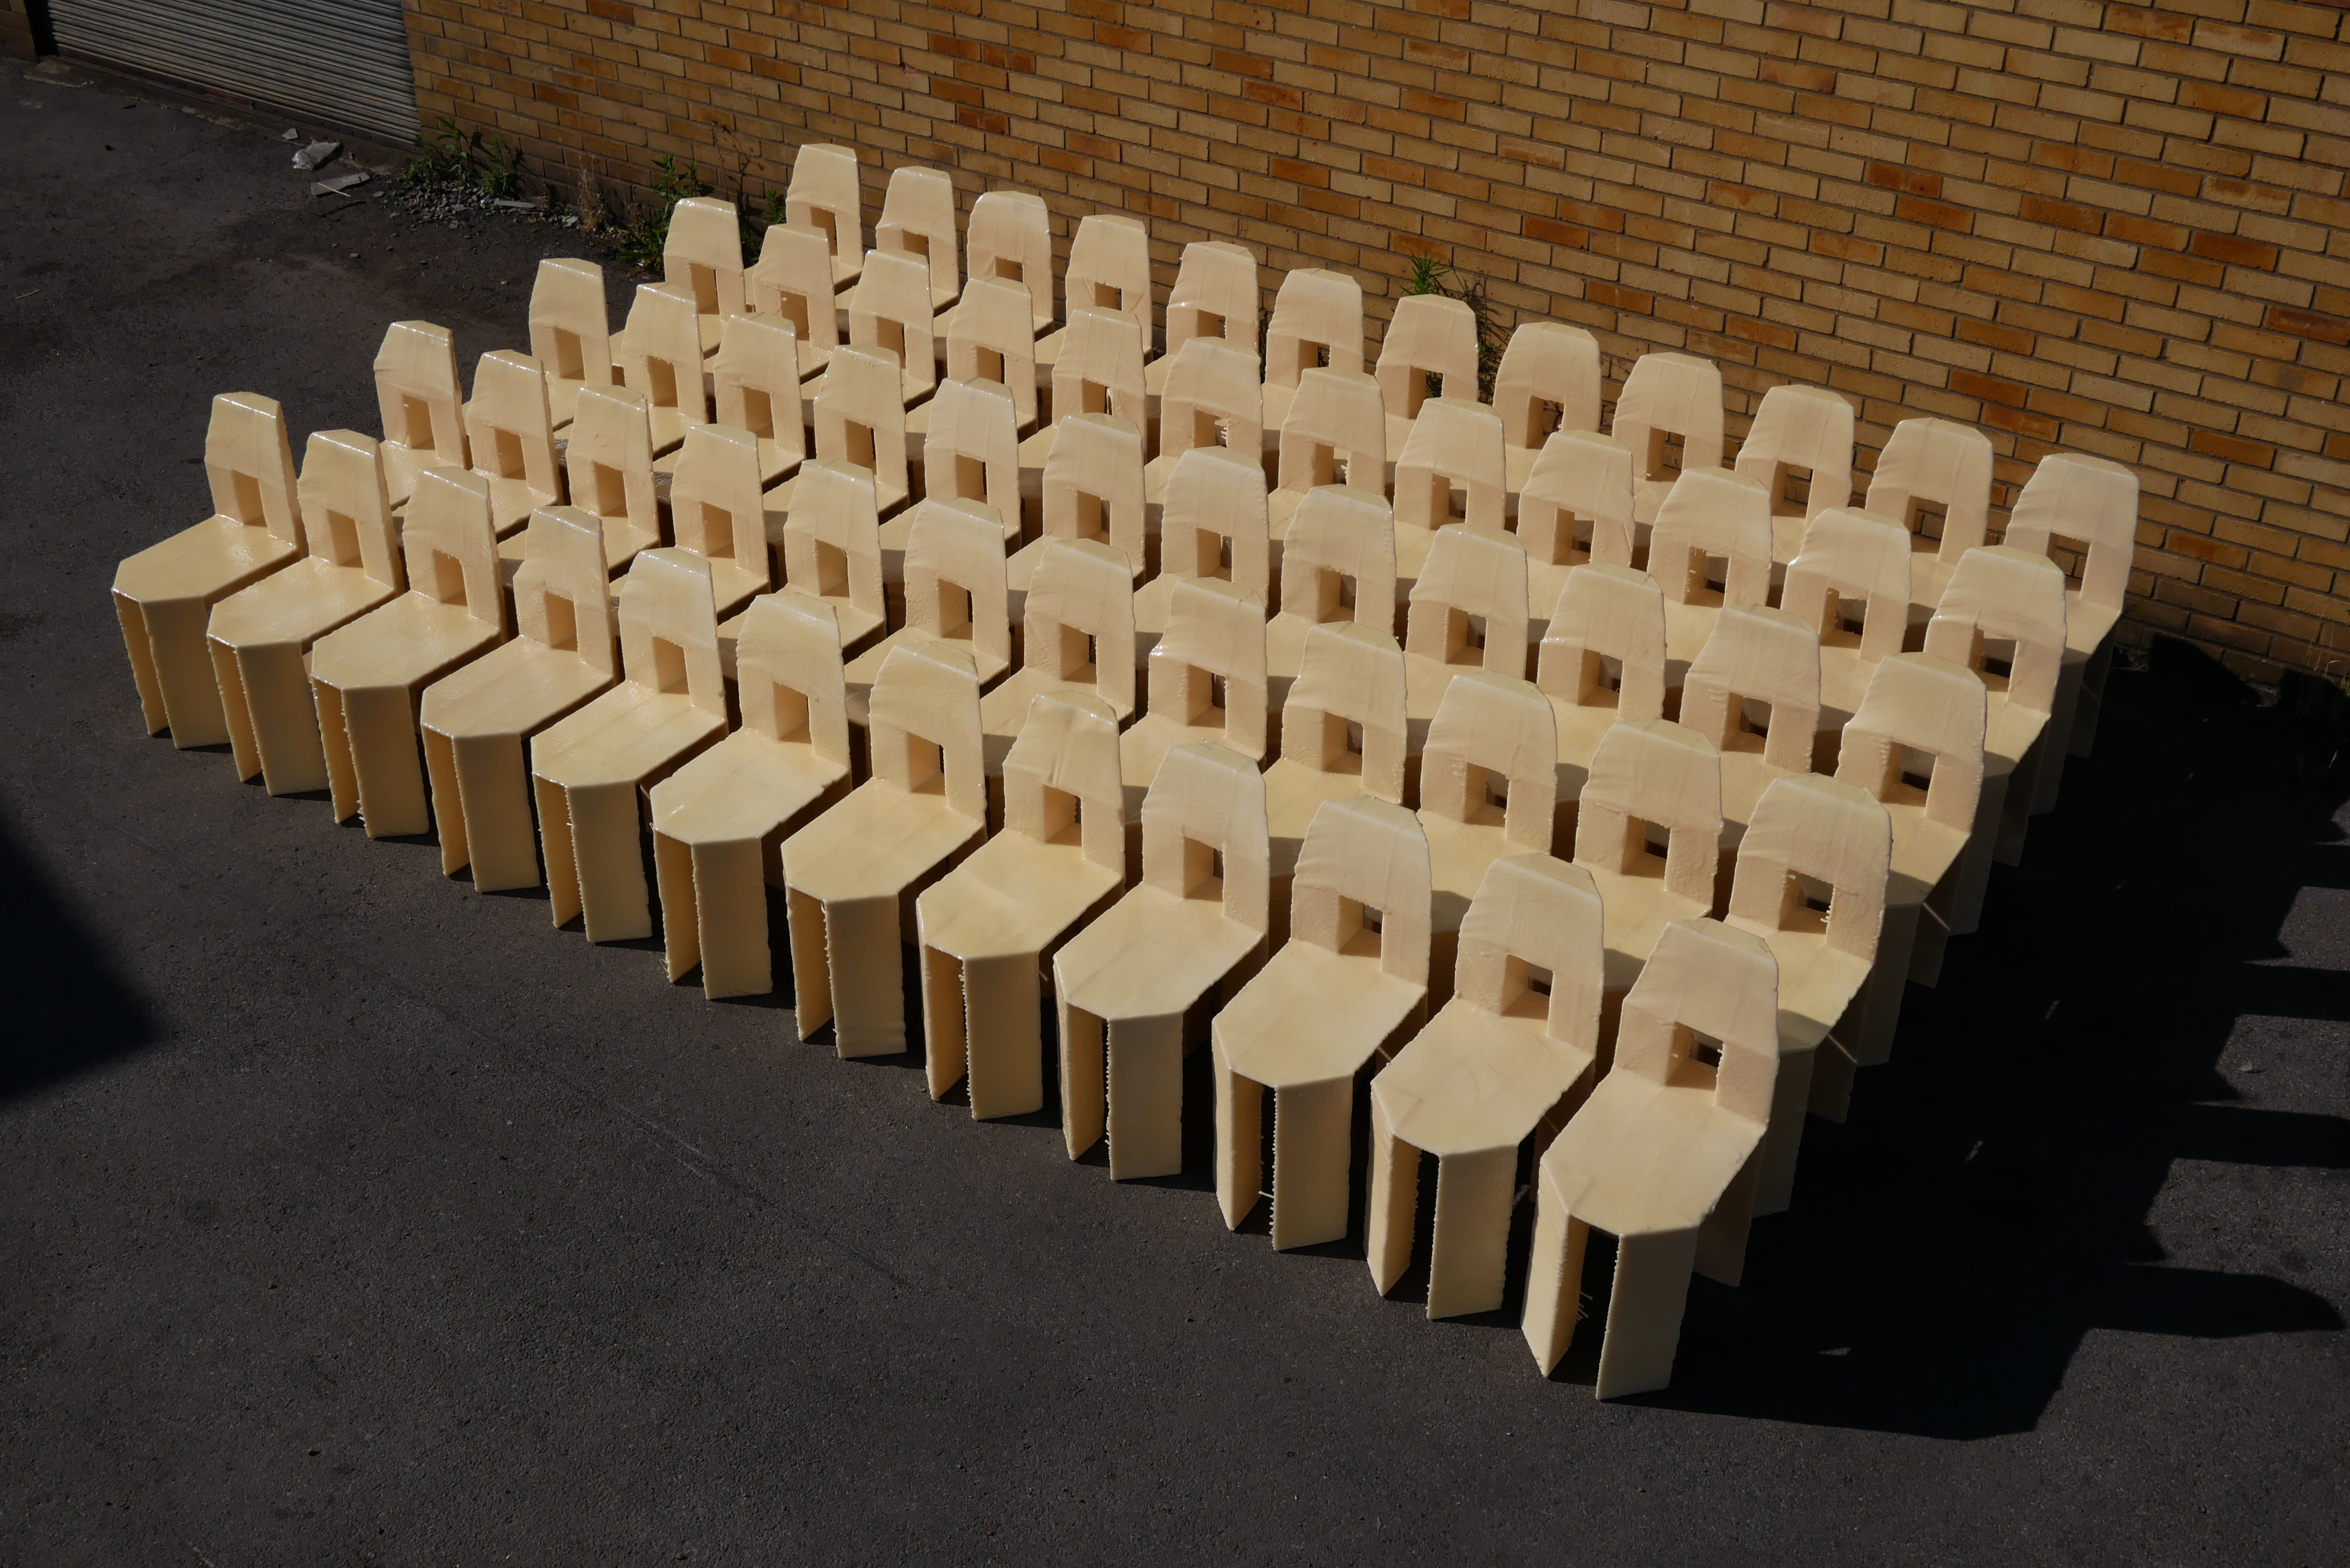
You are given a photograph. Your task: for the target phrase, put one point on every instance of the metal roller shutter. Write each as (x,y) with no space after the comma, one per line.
(344,61)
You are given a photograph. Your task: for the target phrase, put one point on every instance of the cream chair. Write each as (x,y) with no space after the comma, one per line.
(703,255)
(1710,547)
(478,721)
(590,771)
(1669,417)
(510,435)
(570,333)
(1487,789)
(1753,692)
(1097,371)
(1799,449)
(989,339)
(889,311)
(720,822)
(1660,1156)
(1211,397)
(164,594)
(1332,431)
(718,512)
(918,218)
(1602,660)
(1206,684)
(1574,508)
(1850,585)
(1339,566)
(1489,1081)
(1451,469)
(660,355)
(832,551)
(1348,986)
(2088,505)
(366,678)
(970,451)
(792,282)
(825,195)
(1091,488)
(1468,612)
(1009,238)
(756,386)
(260,634)
(989,928)
(1649,829)
(1075,637)
(1133,986)
(1317,323)
(954,593)
(1211,527)
(848,874)
(424,413)
(1933,478)
(609,461)
(860,420)
(1214,295)
(1548,383)
(1430,350)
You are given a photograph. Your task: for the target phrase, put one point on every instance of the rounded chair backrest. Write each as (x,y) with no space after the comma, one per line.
(1852,561)
(918,218)
(703,254)
(1216,635)
(891,308)
(832,536)
(1078,623)
(1110,270)
(1318,320)
(955,587)
(1533,917)
(1100,368)
(669,629)
(1215,296)
(1669,395)
(416,390)
(1362,853)
(1606,615)
(570,332)
(1816,842)
(1712,514)
(1428,335)
(1213,523)
(992,319)
(788,672)
(793,279)
(1337,562)
(1335,432)
(1757,655)
(1578,504)
(346,517)
(1455,444)
(1063,767)
(1548,366)
(825,195)
(1093,485)
(715,501)
(664,350)
(609,458)
(924,730)
(861,394)
(2093,500)
(972,451)
(1011,237)
(755,381)
(2004,594)
(1937,463)
(1919,711)
(1213,397)
(1651,774)
(1705,978)
(1469,603)
(561,591)
(1489,729)
(1205,813)
(450,544)
(1350,677)
(1804,430)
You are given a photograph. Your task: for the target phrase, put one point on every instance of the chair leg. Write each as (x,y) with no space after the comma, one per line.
(998,1004)
(610,862)
(1313,1149)
(803,922)
(2063,714)
(868,977)
(284,720)
(183,672)
(1083,1058)
(556,842)
(1239,1141)
(1145,1097)
(143,674)
(335,738)
(1721,1239)
(1971,878)
(681,914)
(1934,932)
(1790,1093)
(492,810)
(1395,1198)
(1644,1312)
(2084,736)
(1468,1254)
(725,903)
(448,801)
(1553,1278)
(1881,997)
(380,722)
(229,681)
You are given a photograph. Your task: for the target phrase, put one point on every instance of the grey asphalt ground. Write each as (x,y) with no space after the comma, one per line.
(348,1215)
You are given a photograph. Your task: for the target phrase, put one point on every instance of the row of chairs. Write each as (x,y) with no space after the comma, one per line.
(1299,841)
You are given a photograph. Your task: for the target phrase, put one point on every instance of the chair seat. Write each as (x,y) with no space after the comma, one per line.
(214,558)
(407,642)
(514,689)
(1003,711)
(1816,984)
(1145,746)
(1642,1157)
(1152,955)
(1293,794)
(624,736)
(297,605)
(1014,896)
(1312,1015)
(861,671)
(1923,851)
(855,625)
(743,788)
(1637,907)
(1459,854)
(1474,1080)
(876,844)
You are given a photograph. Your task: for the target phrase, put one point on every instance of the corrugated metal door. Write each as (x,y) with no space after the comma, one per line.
(345,61)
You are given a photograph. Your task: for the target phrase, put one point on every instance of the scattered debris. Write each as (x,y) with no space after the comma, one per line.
(289,134)
(507,204)
(317,155)
(341,182)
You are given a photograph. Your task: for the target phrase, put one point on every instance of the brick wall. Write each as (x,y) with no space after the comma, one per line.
(2111,228)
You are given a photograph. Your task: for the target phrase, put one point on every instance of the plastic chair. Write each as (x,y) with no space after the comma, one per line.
(1206,684)
(1487,788)
(1669,417)
(918,218)
(1811,883)
(1430,337)
(1078,619)
(890,310)
(1342,735)
(423,414)
(1933,478)
(860,420)
(1334,431)
(1451,469)
(825,195)
(366,677)
(1601,661)
(1850,584)
(609,463)
(2088,505)
(756,386)
(1917,746)
(1753,692)
(1799,449)
(1091,488)
(793,280)
(848,874)
(1316,323)
(1347,988)
(1548,383)
(1212,526)
(988,928)
(510,435)
(1215,296)
(1468,612)
(703,255)
(1109,271)
(720,821)
(1574,508)
(1132,985)
(570,334)
(1650,780)
(478,721)
(2003,616)
(1708,548)
(953,588)
(1010,237)
(1489,1081)
(1098,369)
(1211,397)
(660,356)
(1659,1156)
(164,594)
(260,634)
(1338,565)
(719,513)
(590,770)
